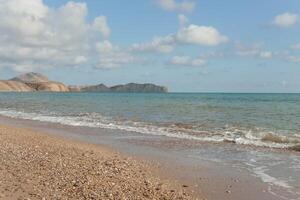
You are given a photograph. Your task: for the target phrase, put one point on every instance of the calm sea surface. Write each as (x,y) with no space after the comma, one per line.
(263,121)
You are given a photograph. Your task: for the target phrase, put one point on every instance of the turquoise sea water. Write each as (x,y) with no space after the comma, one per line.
(268,120)
(256,132)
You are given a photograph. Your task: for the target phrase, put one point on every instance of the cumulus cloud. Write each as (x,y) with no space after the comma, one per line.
(200,35)
(254,50)
(112,56)
(294,59)
(158,44)
(34,35)
(173,5)
(248,50)
(286,20)
(186,61)
(266,54)
(80,59)
(187,34)
(183,20)
(100,23)
(295,46)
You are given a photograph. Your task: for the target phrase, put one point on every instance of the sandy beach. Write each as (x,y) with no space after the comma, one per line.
(39,166)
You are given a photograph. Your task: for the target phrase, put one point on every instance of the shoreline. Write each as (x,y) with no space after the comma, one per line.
(201,178)
(168,160)
(35,165)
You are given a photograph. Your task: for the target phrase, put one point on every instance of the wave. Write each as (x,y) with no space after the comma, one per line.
(175,130)
(269,137)
(295,148)
(261,173)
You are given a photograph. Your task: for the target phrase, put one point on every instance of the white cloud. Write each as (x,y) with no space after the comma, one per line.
(266,54)
(213,54)
(200,35)
(286,20)
(192,34)
(34,35)
(251,50)
(186,61)
(294,59)
(80,59)
(23,17)
(158,44)
(183,20)
(173,5)
(295,46)
(100,23)
(112,56)
(254,50)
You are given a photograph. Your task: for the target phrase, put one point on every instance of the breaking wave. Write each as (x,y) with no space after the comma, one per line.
(176,130)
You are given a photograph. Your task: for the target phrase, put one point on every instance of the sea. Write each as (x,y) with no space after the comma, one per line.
(257,132)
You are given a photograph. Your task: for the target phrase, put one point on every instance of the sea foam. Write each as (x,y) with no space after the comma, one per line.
(229,135)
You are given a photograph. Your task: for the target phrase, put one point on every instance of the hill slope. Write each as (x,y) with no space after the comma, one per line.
(14,86)
(31,77)
(39,82)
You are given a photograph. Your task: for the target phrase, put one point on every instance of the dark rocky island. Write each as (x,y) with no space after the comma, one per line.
(130,88)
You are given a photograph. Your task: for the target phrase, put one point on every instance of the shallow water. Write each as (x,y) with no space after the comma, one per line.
(246,131)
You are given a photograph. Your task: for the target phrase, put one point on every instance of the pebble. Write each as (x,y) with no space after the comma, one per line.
(45,167)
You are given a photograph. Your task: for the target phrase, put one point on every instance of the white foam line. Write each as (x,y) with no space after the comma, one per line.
(139,127)
(76,121)
(261,173)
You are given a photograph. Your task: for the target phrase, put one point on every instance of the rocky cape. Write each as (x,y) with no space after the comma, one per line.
(32,82)
(37,82)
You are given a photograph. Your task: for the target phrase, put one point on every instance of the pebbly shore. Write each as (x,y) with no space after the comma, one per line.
(39,166)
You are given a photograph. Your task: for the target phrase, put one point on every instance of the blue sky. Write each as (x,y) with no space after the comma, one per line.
(189,46)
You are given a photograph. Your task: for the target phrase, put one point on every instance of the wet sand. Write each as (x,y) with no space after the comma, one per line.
(40,166)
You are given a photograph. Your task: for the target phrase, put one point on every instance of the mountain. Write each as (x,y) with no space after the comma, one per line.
(144,88)
(131,88)
(95,88)
(49,86)
(14,86)
(31,77)
(74,88)
(90,88)
(38,82)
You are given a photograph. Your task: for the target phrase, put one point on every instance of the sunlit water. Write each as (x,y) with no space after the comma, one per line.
(263,122)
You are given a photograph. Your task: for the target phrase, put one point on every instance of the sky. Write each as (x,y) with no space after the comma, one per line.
(186,45)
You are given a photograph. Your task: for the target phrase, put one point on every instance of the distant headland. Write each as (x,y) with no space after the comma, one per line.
(31,82)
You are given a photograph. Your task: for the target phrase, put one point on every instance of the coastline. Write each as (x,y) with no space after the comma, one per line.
(199,179)
(40,166)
